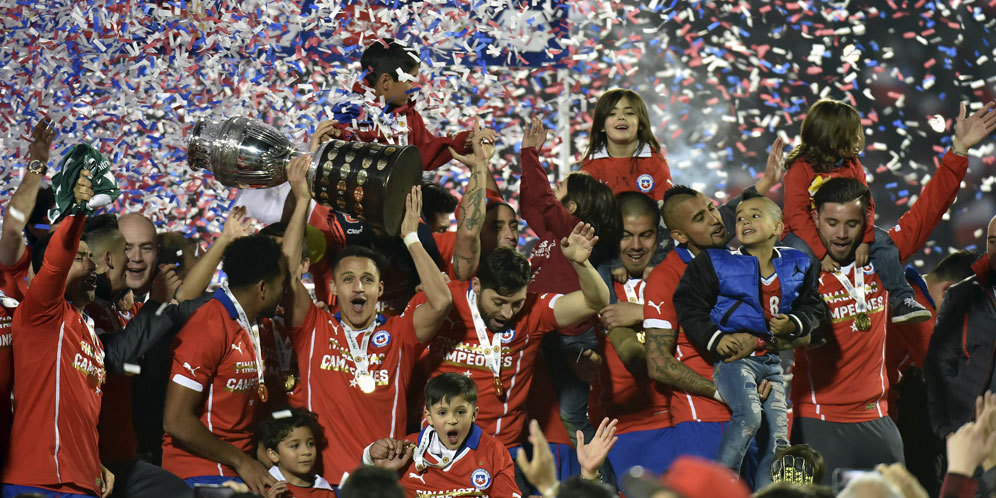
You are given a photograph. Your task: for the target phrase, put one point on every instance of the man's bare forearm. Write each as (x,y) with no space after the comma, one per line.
(15,218)
(663,367)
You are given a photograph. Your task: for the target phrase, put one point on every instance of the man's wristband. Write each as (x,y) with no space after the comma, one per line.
(411,238)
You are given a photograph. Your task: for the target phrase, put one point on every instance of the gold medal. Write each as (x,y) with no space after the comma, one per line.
(263,394)
(863,322)
(366,382)
(499,388)
(290,382)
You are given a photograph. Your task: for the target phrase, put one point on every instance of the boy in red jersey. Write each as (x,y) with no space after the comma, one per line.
(291,440)
(54,434)
(355,365)
(452,456)
(218,368)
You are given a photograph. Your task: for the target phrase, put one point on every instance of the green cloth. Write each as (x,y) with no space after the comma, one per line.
(105,187)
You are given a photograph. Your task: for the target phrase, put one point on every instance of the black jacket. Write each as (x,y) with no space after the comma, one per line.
(959,363)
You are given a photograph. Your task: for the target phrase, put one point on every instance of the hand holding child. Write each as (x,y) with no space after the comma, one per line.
(781,324)
(862,254)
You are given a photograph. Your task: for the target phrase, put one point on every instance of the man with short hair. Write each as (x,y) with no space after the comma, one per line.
(218,367)
(840,388)
(141,250)
(959,362)
(355,365)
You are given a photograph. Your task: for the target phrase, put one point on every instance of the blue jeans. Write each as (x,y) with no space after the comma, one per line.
(883,255)
(737,383)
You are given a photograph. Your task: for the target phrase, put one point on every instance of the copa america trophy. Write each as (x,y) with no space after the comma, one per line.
(366,180)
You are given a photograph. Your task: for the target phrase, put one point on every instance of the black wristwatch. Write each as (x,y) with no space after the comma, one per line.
(37,167)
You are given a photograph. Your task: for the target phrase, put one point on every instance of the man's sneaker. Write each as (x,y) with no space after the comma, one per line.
(909,311)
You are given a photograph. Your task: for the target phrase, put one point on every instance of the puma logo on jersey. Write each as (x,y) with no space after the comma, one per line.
(420,477)
(193,370)
(656,306)
(238,348)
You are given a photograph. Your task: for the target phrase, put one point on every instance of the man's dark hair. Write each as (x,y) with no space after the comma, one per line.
(359,252)
(99,229)
(955,267)
(504,271)
(447,386)
(251,259)
(842,190)
(38,252)
(575,487)
(371,482)
(638,204)
(437,199)
(279,425)
(387,56)
(669,202)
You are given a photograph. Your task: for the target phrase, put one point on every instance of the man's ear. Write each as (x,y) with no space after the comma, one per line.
(679,236)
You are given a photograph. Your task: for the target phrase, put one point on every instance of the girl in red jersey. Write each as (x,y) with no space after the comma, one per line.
(831,139)
(622,151)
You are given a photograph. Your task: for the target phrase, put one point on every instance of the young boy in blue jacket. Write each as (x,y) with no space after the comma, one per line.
(767,292)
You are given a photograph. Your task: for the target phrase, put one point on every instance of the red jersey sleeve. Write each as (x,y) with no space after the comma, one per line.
(504,479)
(435,150)
(537,202)
(540,318)
(45,296)
(196,355)
(915,226)
(796,212)
(658,307)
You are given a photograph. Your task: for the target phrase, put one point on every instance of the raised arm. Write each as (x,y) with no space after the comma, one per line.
(429,315)
(298,301)
(594,294)
(470,217)
(538,204)
(199,277)
(15,218)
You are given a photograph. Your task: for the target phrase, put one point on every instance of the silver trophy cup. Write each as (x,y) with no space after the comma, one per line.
(366,180)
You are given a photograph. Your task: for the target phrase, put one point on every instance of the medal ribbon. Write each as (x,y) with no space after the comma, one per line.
(419,455)
(630,288)
(856,291)
(253,331)
(492,348)
(358,351)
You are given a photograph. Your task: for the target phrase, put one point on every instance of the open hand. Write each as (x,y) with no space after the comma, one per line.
(278,490)
(41,141)
(535,134)
(593,454)
(237,225)
(577,246)
(413,211)
(774,169)
(971,130)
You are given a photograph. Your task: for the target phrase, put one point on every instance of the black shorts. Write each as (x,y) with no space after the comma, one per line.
(857,445)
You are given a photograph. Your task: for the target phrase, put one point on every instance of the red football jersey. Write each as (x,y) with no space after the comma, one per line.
(281,364)
(351,418)
(214,355)
(54,435)
(844,380)
(647,173)
(636,400)
(482,467)
(7,307)
(446,243)
(14,278)
(457,349)
(321,489)
(659,313)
